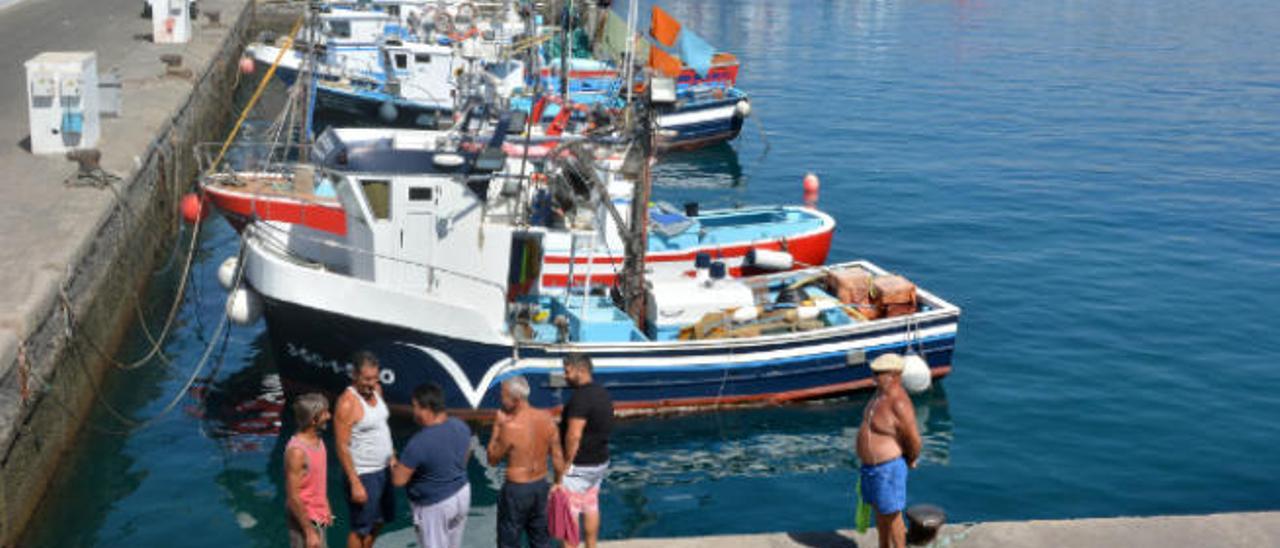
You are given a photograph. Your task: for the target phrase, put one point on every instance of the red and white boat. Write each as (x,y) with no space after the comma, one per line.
(580,244)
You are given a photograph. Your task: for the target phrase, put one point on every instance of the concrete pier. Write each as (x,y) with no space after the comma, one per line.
(1233,530)
(90,248)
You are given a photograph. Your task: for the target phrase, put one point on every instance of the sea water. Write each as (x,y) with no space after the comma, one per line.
(1095,182)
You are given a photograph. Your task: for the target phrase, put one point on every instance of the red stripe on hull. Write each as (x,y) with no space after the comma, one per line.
(325,217)
(806,250)
(687,405)
(793,396)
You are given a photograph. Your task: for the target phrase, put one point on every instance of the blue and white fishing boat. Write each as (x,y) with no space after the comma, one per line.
(396,67)
(436,272)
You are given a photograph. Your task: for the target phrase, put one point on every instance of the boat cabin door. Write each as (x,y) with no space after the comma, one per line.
(416,237)
(426,78)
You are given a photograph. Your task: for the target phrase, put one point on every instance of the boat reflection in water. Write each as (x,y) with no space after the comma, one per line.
(713,471)
(712,168)
(244,410)
(777,441)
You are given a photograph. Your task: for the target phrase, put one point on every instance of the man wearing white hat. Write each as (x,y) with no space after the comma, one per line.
(888,443)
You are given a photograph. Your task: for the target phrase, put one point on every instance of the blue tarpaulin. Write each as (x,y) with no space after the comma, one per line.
(695,52)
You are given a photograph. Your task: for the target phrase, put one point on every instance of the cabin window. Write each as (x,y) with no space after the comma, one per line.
(378,193)
(402,60)
(421,194)
(393,10)
(422,58)
(340,29)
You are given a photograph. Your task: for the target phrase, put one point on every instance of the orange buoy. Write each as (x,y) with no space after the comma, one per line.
(193,208)
(246,65)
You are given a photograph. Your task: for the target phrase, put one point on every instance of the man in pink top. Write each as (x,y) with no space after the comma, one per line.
(305,474)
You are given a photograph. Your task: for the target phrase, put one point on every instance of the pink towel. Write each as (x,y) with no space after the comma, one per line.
(560,519)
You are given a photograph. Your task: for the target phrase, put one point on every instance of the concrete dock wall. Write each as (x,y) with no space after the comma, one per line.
(50,367)
(1243,530)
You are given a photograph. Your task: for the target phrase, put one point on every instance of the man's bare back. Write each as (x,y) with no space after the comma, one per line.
(888,428)
(531,436)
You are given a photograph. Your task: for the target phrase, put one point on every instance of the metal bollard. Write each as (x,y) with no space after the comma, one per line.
(923,523)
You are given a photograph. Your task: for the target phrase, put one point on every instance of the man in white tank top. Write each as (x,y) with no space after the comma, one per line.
(363,440)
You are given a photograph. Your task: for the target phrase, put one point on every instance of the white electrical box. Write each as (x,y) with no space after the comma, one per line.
(62,101)
(170,21)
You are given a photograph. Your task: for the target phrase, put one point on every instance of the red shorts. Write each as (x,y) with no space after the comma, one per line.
(587,501)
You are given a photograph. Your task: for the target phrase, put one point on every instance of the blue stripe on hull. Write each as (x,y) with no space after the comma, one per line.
(313,346)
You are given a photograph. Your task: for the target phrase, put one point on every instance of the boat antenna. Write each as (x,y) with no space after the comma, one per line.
(565,43)
(629,58)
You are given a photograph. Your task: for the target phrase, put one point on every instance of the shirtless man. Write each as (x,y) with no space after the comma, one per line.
(888,443)
(525,436)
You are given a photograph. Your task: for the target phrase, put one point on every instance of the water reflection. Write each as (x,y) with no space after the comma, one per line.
(761,443)
(714,167)
(243,411)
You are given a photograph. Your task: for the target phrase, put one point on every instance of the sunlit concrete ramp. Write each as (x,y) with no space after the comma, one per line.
(1229,530)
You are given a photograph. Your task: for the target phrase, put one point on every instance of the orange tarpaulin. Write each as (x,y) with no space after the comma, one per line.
(663,27)
(664,62)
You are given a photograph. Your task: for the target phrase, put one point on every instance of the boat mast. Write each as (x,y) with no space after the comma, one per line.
(637,240)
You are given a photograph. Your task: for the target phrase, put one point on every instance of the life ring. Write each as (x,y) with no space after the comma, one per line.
(560,122)
(443,23)
(466,11)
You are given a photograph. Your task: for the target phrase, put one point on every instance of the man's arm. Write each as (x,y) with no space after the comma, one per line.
(400,474)
(573,438)
(908,433)
(498,444)
(295,468)
(557,452)
(345,417)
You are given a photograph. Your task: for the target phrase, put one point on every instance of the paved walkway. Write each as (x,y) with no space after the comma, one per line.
(1219,530)
(44,226)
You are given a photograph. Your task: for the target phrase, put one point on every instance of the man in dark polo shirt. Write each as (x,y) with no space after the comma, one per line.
(585,425)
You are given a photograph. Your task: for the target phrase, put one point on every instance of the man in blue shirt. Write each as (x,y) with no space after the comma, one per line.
(433,468)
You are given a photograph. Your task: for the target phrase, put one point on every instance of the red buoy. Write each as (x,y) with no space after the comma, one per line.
(811,186)
(246,65)
(193,208)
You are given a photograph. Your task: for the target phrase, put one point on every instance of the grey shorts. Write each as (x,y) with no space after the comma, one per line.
(440,525)
(581,479)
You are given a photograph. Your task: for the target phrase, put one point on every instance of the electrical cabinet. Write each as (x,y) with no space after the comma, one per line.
(62,101)
(170,21)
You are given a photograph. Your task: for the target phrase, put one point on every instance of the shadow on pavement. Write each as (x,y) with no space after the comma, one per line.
(823,539)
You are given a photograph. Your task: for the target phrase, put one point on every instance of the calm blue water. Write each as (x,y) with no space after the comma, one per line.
(1095,182)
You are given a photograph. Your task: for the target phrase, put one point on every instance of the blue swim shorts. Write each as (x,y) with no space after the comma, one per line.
(884,486)
(381,506)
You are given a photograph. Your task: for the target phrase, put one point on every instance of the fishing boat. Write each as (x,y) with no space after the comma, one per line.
(267,183)
(437,273)
(396,67)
